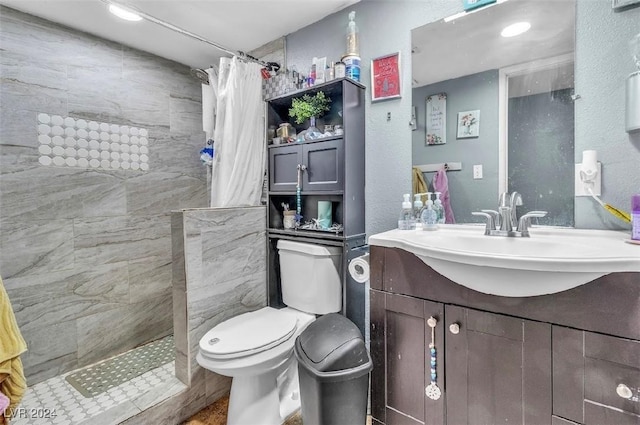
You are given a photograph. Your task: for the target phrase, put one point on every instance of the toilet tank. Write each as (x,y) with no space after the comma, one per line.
(310,276)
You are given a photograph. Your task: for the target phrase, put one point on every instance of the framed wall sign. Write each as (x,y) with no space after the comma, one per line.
(622,5)
(385,77)
(436,120)
(468,124)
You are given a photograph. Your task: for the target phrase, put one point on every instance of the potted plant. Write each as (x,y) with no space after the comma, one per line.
(309,108)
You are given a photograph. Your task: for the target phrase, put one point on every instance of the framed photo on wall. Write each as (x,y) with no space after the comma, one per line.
(385,77)
(436,119)
(468,124)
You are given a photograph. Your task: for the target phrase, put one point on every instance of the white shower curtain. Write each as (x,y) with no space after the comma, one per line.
(239,159)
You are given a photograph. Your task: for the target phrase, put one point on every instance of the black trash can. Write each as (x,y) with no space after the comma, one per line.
(334,366)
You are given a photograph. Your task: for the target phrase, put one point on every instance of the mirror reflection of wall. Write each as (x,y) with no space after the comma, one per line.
(467,59)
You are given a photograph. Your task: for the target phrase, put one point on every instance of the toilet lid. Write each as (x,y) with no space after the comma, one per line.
(248,333)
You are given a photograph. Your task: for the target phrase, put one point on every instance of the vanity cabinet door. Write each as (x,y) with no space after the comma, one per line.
(596,378)
(400,340)
(498,368)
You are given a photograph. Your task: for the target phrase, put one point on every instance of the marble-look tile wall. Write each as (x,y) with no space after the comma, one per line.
(219,271)
(85,254)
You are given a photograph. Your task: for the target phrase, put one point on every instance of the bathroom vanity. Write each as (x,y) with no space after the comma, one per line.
(571,357)
(327,169)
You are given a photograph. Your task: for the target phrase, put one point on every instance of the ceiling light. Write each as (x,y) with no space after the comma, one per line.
(124,13)
(515,29)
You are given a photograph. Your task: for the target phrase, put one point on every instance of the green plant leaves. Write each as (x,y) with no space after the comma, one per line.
(309,106)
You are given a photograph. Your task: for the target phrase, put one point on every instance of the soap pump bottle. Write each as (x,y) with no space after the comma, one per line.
(429,217)
(439,209)
(406,221)
(417,206)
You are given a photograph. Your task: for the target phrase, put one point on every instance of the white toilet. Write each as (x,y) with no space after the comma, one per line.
(256,348)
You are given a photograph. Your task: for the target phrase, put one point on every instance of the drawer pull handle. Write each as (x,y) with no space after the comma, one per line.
(454,328)
(623,391)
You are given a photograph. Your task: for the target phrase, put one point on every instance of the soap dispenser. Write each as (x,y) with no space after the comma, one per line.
(417,206)
(429,217)
(406,221)
(439,209)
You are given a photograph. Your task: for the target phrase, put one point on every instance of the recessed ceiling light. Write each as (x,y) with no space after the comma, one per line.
(515,29)
(124,13)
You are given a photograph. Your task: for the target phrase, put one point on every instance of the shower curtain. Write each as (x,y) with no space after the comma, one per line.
(239,159)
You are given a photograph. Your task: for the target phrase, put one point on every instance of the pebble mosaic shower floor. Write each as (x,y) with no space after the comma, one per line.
(56,402)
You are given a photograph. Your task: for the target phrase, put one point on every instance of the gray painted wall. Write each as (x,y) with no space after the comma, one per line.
(85,254)
(602,65)
(473,92)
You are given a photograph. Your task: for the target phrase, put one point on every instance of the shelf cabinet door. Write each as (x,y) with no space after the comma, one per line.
(283,168)
(498,369)
(325,166)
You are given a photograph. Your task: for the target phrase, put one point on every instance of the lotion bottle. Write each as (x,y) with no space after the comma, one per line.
(439,209)
(406,221)
(429,218)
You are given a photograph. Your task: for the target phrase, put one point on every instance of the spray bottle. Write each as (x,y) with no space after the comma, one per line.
(406,221)
(429,218)
(353,45)
(439,209)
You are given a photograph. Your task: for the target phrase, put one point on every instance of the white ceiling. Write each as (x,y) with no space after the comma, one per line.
(472,43)
(236,24)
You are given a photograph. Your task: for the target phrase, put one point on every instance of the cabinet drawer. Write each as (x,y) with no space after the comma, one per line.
(611,362)
(595,414)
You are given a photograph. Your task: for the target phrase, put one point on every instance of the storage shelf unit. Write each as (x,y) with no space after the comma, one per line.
(333,171)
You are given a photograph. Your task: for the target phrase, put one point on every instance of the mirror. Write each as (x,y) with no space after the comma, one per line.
(503,106)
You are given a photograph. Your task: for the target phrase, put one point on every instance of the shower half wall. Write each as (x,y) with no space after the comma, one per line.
(85,251)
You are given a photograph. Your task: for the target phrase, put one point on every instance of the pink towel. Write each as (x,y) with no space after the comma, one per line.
(441,184)
(4,403)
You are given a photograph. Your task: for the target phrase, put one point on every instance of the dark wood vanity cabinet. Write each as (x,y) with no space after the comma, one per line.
(538,360)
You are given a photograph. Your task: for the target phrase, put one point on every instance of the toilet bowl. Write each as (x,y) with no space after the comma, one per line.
(256,350)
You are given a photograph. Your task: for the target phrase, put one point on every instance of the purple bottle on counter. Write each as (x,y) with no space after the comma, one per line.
(635,217)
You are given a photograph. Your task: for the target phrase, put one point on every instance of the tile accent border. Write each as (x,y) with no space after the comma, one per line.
(71,142)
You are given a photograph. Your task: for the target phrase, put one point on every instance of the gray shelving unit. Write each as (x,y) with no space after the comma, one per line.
(334,172)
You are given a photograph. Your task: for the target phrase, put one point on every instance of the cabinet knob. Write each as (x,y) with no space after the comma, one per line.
(623,391)
(454,328)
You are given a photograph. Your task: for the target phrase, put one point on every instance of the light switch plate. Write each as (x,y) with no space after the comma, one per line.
(580,187)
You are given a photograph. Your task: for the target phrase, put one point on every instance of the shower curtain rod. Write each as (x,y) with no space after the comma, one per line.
(271,66)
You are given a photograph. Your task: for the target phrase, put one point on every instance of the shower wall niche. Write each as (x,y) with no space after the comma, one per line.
(85,252)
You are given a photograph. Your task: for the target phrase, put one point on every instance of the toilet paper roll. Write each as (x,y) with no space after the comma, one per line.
(359,268)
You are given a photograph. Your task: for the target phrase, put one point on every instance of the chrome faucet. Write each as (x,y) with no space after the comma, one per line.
(505,220)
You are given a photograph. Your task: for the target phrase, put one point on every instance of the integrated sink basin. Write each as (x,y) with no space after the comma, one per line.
(551,260)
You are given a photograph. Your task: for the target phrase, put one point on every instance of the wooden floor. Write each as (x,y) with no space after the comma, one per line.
(216,414)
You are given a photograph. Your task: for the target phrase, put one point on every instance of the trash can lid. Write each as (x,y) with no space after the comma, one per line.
(332,343)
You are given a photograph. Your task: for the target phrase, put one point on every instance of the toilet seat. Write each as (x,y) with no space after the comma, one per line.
(248,333)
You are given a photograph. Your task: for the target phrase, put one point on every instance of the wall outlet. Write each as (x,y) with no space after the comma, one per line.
(477,171)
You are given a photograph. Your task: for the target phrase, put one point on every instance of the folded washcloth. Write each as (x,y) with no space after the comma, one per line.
(12,381)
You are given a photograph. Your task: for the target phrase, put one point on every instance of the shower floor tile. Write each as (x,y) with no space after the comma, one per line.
(56,402)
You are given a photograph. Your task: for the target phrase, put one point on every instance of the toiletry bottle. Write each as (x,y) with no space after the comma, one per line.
(417,206)
(635,217)
(353,46)
(429,218)
(439,209)
(406,221)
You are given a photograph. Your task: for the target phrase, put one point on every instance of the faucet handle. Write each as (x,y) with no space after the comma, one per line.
(491,224)
(525,221)
(496,216)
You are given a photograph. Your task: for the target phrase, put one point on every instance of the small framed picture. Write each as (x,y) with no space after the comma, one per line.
(385,77)
(468,124)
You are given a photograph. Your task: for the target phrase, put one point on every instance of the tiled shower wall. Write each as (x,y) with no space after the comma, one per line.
(85,252)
